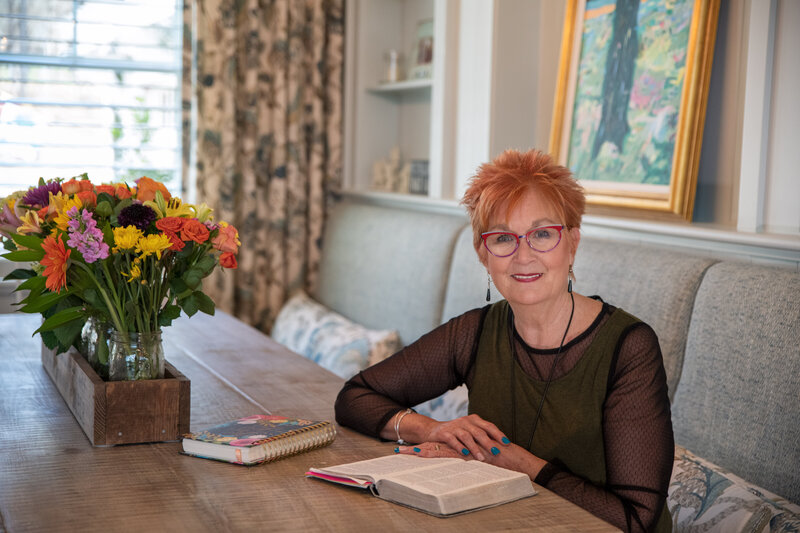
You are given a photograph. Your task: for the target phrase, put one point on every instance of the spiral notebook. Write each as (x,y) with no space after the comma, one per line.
(258,439)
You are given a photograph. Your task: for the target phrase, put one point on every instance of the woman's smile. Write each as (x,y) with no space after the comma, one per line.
(526,278)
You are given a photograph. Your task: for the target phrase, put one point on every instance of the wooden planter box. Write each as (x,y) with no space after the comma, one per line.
(120,412)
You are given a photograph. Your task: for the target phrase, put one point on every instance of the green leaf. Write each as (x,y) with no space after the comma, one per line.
(28,241)
(122,205)
(20,273)
(63,318)
(9,245)
(168,314)
(35,284)
(92,297)
(68,334)
(108,234)
(193,277)
(206,264)
(103,208)
(204,303)
(189,305)
(49,339)
(178,287)
(43,302)
(25,256)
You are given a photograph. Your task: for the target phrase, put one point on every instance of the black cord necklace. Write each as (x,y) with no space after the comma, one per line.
(547,384)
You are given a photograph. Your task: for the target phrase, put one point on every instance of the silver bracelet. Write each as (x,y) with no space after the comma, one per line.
(398,419)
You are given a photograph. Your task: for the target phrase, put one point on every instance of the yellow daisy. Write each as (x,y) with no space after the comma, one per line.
(126,238)
(64,204)
(153,244)
(133,274)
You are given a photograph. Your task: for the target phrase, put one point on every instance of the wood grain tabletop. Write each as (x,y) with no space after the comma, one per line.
(53,479)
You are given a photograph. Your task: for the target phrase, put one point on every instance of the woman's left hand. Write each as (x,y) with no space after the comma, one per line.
(508,456)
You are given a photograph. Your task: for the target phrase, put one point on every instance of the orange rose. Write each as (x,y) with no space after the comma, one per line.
(228,260)
(194,230)
(171,224)
(122,191)
(177,243)
(87,197)
(227,240)
(108,189)
(74,186)
(146,189)
(71,187)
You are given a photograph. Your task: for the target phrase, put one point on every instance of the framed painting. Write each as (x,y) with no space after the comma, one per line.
(631,99)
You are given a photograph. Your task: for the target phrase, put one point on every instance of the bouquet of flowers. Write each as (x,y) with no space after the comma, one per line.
(129,257)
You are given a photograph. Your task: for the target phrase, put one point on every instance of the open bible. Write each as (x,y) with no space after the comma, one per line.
(438,486)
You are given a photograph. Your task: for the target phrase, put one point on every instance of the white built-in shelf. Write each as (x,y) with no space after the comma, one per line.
(402,86)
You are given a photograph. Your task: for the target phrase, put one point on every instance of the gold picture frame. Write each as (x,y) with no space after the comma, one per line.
(629,123)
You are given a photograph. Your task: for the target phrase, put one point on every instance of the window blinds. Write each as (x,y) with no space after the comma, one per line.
(89,86)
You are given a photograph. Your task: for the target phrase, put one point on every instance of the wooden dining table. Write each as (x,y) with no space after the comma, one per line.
(53,479)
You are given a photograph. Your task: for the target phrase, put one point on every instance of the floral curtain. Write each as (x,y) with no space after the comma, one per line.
(263,138)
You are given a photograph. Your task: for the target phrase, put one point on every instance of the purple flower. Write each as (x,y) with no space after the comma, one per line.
(40,195)
(86,236)
(138,215)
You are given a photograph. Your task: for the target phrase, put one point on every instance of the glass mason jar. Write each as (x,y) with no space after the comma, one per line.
(94,345)
(135,356)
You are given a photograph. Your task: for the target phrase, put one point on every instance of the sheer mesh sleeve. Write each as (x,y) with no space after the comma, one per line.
(638,440)
(437,362)
(637,429)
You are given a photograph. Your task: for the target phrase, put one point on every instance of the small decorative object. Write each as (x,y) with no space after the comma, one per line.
(394,73)
(126,258)
(388,174)
(422,55)
(418,181)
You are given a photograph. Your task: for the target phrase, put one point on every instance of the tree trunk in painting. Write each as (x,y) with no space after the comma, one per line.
(618,80)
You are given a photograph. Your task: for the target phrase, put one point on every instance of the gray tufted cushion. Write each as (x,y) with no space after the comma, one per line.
(657,285)
(387,268)
(738,402)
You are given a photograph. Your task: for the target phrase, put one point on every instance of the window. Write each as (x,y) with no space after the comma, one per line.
(90,86)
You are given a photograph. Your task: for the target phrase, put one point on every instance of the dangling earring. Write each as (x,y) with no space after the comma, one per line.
(570,277)
(488,286)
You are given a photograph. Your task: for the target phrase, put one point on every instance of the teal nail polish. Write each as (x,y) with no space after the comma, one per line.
(397,450)
(505,440)
(494,451)
(417,449)
(465,451)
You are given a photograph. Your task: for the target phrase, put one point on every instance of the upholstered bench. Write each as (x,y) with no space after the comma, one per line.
(729,334)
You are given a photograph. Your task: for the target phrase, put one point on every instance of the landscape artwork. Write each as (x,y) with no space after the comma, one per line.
(637,76)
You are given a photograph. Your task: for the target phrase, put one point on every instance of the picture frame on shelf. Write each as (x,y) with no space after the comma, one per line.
(630,102)
(421,57)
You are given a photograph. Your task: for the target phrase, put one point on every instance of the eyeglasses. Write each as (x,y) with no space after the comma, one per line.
(504,243)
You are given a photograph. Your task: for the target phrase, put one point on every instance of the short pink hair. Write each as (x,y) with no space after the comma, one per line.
(499,185)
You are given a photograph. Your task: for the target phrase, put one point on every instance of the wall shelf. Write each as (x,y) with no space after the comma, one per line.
(402,86)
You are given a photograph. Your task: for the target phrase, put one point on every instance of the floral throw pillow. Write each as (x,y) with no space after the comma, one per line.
(329,339)
(705,497)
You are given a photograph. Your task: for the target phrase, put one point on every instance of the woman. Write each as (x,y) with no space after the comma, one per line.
(567,389)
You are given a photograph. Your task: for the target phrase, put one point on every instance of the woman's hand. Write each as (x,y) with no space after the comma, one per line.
(508,456)
(469,435)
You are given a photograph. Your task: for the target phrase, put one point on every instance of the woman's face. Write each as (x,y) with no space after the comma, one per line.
(528,277)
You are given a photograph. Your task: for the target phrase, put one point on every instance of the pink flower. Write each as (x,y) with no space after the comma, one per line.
(227,240)
(86,236)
